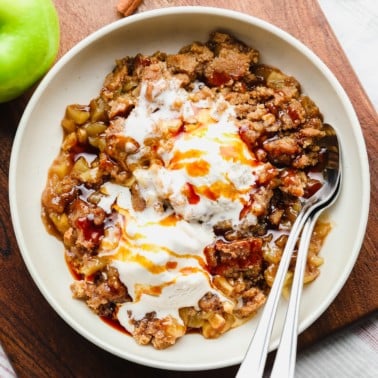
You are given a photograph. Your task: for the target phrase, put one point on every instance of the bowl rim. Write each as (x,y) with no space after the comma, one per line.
(163,12)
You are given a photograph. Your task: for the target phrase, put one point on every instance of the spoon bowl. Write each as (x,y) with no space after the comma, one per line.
(331,171)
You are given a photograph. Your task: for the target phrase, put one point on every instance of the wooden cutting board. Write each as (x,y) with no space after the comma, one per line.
(39,343)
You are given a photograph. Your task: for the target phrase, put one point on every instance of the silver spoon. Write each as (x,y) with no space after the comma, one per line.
(284,362)
(255,358)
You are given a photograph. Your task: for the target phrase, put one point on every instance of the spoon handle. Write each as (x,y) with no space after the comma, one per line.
(255,358)
(284,363)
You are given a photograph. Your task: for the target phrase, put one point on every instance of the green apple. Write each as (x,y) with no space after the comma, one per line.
(29,43)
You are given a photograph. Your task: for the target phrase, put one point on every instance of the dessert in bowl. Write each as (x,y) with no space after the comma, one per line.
(176,185)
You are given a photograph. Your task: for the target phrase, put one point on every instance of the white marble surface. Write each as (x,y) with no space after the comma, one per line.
(352,353)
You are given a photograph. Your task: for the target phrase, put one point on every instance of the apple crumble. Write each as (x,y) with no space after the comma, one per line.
(176,187)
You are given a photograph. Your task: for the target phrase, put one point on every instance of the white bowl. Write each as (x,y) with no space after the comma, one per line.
(77,78)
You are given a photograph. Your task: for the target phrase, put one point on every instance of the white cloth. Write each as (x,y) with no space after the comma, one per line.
(355,23)
(353,352)
(350,353)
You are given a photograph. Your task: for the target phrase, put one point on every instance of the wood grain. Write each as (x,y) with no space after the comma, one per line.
(38,342)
